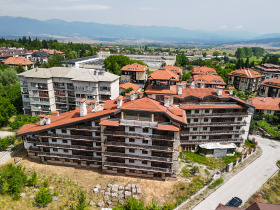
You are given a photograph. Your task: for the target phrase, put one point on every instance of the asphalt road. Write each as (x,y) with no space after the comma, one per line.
(249,180)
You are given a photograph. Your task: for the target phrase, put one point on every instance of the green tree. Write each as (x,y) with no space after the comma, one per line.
(43,197)
(273,59)
(7,110)
(73,55)
(216,53)
(240,53)
(247,64)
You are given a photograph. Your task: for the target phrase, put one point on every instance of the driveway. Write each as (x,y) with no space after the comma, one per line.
(4,134)
(249,180)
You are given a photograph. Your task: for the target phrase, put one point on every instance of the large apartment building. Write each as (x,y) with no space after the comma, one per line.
(141,136)
(60,89)
(245,79)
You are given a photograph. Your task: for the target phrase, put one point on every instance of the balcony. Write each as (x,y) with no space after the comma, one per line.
(77,157)
(33,149)
(214,124)
(56,86)
(230,114)
(24,92)
(161,87)
(72,147)
(153,147)
(152,158)
(70,137)
(42,87)
(138,135)
(30,139)
(43,95)
(203,141)
(137,167)
(86,128)
(208,133)
(60,101)
(60,94)
(138,123)
(45,108)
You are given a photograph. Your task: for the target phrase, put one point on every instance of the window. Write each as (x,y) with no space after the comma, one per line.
(130,116)
(195,120)
(144,117)
(159,97)
(196,111)
(207,111)
(131,140)
(239,118)
(64,141)
(131,161)
(144,162)
(98,144)
(54,140)
(145,130)
(132,129)
(144,152)
(131,150)
(145,141)
(194,137)
(205,128)
(104,97)
(63,131)
(65,150)
(55,150)
(194,129)
(98,154)
(132,171)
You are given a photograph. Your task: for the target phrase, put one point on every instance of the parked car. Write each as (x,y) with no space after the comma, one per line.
(234,202)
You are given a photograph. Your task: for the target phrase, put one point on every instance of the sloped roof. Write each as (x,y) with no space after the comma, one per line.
(40,54)
(128,85)
(263,206)
(176,69)
(167,127)
(88,75)
(135,67)
(171,91)
(203,70)
(163,74)
(18,61)
(209,79)
(271,82)
(266,103)
(110,123)
(247,73)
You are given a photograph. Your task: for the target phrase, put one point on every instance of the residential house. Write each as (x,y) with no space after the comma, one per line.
(60,89)
(16,61)
(245,79)
(175,69)
(203,70)
(125,86)
(269,70)
(134,73)
(270,87)
(40,56)
(208,80)
(6,52)
(266,105)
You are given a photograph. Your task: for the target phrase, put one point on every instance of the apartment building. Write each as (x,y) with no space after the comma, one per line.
(245,79)
(134,73)
(60,89)
(270,87)
(269,70)
(40,56)
(6,52)
(137,135)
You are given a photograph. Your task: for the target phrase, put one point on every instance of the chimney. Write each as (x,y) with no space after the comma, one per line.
(220,90)
(166,101)
(127,96)
(202,85)
(192,85)
(55,113)
(179,89)
(230,90)
(132,95)
(263,99)
(83,107)
(92,105)
(119,102)
(141,94)
(45,119)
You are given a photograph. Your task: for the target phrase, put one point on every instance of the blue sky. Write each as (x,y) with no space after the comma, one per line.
(258,16)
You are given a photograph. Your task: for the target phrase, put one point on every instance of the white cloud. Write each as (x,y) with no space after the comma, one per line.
(224,27)
(239,27)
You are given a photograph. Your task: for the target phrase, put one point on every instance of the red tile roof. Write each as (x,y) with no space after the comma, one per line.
(269,103)
(273,82)
(168,127)
(176,69)
(52,52)
(135,67)
(128,85)
(172,91)
(18,61)
(263,206)
(164,74)
(225,106)
(203,70)
(208,79)
(109,123)
(247,73)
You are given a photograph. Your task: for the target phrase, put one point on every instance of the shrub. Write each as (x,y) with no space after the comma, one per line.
(269,128)
(43,197)
(196,168)
(131,204)
(230,159)
(45,183)
(32,181)
(216,183)
(23,119)
(6,142)
(82,201)
(186,172)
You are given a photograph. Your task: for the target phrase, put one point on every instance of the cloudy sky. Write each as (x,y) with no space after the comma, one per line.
(258,16)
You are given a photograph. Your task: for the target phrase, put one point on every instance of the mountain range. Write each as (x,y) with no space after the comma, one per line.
(21,26)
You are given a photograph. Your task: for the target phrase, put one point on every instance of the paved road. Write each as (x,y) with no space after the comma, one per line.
(249,180)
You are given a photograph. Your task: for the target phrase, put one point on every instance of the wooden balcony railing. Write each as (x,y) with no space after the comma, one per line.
(230,114)
(202,141)
(153,147)
(214,124)
(78,157)
(87,128)
(137,167)
(73,147)
(71,137)
(212,133)
(152,158)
